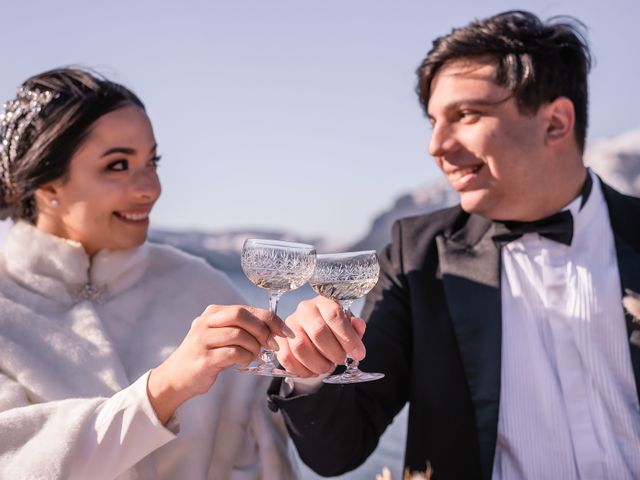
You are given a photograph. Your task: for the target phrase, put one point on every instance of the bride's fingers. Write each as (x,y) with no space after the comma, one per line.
(225,357)
(231,337)
(254,321)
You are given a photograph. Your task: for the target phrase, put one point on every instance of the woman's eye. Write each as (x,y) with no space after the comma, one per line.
(118,165)
(156,160)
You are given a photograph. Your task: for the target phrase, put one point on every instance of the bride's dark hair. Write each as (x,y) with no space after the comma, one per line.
(39,137)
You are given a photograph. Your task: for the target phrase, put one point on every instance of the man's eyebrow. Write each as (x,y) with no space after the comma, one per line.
(482,102)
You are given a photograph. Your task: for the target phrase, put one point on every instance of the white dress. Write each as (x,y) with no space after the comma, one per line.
(77,339)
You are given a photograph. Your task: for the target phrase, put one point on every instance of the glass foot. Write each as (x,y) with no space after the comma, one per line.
(265,371)
(356,376)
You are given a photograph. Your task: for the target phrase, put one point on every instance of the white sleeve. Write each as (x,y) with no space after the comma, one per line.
(97,438)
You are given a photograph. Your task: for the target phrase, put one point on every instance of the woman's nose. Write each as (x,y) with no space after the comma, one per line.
(147,185)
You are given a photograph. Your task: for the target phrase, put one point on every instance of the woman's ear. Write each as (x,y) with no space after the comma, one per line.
(46,196)
(561,121)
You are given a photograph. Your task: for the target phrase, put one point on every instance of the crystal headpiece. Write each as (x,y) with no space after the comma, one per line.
(14,121)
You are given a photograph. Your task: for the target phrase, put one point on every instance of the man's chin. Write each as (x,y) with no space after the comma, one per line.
(473,202)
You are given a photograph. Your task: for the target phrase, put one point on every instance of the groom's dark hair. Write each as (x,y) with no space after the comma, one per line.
(537,61)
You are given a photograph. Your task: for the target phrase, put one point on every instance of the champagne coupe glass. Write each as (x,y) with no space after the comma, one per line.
(278,267)
(345,277)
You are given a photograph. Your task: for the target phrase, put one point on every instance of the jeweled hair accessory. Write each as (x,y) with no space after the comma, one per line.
(18,114)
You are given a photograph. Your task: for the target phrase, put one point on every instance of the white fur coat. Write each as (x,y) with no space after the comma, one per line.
(77,339)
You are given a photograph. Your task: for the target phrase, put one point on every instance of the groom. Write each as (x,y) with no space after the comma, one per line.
(500,320)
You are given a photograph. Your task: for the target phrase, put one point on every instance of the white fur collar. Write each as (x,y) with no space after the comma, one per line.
(61,270)
(52,340)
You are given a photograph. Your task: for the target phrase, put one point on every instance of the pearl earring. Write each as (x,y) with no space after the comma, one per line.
(54,202)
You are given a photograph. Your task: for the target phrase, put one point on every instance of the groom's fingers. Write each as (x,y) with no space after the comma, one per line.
(324,335)
(314,346)
(288,360)
(316,335)
(341,326)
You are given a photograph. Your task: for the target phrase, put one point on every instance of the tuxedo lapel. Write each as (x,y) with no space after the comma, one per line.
(470,268)
(624,223)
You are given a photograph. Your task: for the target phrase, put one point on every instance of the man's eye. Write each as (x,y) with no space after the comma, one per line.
(468,115)
(118,165)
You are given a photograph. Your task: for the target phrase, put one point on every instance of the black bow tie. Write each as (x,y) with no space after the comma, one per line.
(558,227)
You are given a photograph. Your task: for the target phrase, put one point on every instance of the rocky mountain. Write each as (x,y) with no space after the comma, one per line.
(221,249)
(433,196)
(616,160)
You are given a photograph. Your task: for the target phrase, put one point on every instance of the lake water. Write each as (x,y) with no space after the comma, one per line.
(390,451)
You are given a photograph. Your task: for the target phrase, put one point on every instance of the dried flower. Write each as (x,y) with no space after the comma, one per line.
(631,302)
(385,475)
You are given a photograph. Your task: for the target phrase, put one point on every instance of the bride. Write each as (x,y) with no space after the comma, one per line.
(115,353)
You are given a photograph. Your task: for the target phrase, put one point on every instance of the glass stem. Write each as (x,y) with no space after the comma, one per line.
(352,366)
(350,363)
(267,356)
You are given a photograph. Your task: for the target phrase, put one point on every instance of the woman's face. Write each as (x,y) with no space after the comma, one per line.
(105,200)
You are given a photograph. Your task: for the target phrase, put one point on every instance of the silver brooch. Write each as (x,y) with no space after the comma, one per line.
(97,294)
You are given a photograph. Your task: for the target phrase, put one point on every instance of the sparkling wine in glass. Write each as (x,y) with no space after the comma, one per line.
(345,277)
(278,267)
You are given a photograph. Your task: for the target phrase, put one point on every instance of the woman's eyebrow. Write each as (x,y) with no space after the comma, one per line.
(125,150)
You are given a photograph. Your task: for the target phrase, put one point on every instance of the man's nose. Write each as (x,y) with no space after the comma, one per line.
(442,140)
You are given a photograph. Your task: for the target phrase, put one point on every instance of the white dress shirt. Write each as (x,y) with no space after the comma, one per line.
(568,403)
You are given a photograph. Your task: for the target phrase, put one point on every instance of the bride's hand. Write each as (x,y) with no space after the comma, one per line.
(222,336)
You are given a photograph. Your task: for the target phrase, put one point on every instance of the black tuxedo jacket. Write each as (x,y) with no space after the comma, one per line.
(434,329)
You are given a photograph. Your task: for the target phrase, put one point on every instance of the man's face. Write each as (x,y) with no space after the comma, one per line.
(491,153)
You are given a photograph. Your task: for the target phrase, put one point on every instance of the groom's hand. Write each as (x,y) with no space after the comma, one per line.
(324,335)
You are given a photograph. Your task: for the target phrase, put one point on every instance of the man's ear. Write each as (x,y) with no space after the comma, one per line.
(561,121)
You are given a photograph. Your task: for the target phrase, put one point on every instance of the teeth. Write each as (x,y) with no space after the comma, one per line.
(134,216)
(462,172)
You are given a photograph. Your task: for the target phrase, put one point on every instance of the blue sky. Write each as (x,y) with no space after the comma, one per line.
(292,115)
